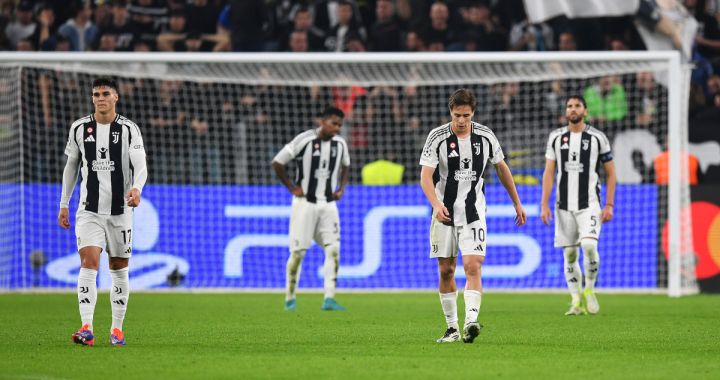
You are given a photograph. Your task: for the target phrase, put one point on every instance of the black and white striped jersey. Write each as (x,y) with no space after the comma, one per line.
(112,161)
(460,164)
(578,156)
(318,163)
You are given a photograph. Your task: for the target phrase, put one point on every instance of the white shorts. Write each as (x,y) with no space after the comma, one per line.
(313,221)
(572,226)
(445,240)
(113,233)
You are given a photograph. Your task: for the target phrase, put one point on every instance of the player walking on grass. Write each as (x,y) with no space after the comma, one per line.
(322,163)
(108,150)
(578,149)
(458,152)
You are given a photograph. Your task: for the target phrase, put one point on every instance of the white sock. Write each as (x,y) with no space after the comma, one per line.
(87,295)
(573,275)
(119,294)
(591,262)
(473,298)
(292,273)
(330,269)
(449,306)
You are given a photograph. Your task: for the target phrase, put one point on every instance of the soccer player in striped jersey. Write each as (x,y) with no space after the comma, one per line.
(107,149)
(457,154)
(577,151)
(322,161)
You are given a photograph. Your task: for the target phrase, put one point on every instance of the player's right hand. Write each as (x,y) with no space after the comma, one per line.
(63,219)
(546,215)
(297,191)
(441,213)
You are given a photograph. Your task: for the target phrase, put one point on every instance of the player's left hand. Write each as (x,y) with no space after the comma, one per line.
(338,194)
(607,214)
(520,215)
(133,197)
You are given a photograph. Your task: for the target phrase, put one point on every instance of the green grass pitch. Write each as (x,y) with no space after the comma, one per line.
(381,336)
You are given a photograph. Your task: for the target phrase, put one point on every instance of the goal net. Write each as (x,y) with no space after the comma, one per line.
(214,215)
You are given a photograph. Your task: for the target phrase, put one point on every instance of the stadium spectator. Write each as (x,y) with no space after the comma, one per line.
(567,42)
(149,18)
(205,136)
(606,100)
(414,42)
(80,29)
(326,14)
(713,89)
(617,44)
(46,27)
(481,26)
(646,103)
(386,33)
(107,43)
(167,123)
(176,32)
(302,21)
(553,103)
(280,22)
(347,24)
(62,43)
(102,14)
(23,26)
(531,37)
(25,45)
(440,33)
(121,26)
(202,16)
(354,43)
(248,21)
(298,41)
(708,37)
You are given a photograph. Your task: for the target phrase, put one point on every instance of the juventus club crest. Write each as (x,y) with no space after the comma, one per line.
(116,137)
(585,144)
(478,148)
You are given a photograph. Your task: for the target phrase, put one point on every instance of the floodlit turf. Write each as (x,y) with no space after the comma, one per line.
(381,336)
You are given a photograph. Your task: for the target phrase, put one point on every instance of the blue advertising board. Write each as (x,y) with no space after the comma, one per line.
(236,237)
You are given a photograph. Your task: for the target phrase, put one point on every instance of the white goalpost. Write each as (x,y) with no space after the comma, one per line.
(214,216)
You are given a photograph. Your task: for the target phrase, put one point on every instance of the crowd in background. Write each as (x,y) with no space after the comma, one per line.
(356,26)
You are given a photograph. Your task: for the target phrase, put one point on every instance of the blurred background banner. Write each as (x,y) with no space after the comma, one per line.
(236,237)
(662,24)
(543,10)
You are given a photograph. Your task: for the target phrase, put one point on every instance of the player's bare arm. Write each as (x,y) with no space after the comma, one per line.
(607,212)
(505,176)
(547,181)
(439,210)
(344,178)
(282,174)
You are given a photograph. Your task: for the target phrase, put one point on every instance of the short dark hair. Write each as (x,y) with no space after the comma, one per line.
(333,111)
(105,81)
(578,97)
(462,97)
